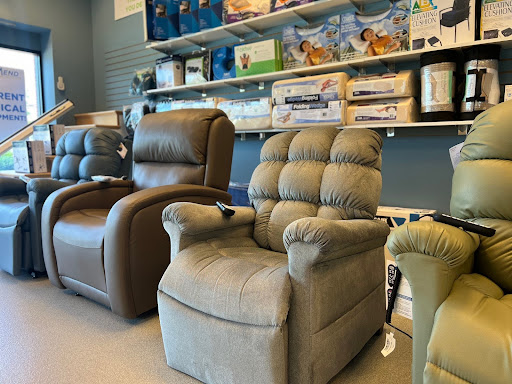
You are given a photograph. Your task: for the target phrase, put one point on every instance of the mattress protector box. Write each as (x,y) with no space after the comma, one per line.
(248,114)
(312,88)
(303,115)
(382,86)
(400,110)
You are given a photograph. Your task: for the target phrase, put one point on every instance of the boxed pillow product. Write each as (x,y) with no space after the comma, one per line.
(280,5)
(236,10)
(169,72)
(166,19)
(189,16)
(400,110)
(313,45)
(210,14)
(198,68)
(382,86)
(260,57)
(303,115)
(374,35)
(223,63)
(496,19)
(29,156)
(50,135)
(209,102)
(312,88)
(249,113)
(438,23)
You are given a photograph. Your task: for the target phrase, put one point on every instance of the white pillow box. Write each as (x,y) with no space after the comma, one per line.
(400,110)
(312,88)
(248,114)
(312,114)
(210,102)
(382,86)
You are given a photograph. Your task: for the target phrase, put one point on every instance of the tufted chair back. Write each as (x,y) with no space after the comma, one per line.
(84,153)
(482,190)
(322,172)
(166,154)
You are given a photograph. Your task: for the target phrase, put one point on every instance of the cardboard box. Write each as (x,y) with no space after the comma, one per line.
(50,135)
(508,93)
(281,5)
(436,23)
(260,57)
(189,16)
(210,14)
(29,156)
(169,72)
(394,217)
(313,45)
(374,35)
(236,10)
(198,68)
(316,113)
(496,19)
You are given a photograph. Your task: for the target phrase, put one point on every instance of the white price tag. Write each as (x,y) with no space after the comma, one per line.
(390,344)
(122,151)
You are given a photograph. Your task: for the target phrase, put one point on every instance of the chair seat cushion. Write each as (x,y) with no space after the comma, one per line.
(449,19)
(472,335)
(232,279)
(78,241)
(13,210)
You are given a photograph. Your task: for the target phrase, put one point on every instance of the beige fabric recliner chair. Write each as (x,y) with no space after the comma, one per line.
(106,241)
(461,282)
(292,289)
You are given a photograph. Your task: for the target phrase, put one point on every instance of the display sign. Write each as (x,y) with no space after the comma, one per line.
(13,110)
(125,8)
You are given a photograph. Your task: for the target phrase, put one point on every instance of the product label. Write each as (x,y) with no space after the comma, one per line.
(247,109)
(496,19)
(194,71)
(374,85)
(299,113)
(324,89)
(376,112)
(436,88)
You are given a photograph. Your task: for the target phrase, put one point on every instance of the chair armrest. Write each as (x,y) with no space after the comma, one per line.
(335,238)
(450,244)
(42,188)
(81,196)
(12,186)
(193,219)
(137,249)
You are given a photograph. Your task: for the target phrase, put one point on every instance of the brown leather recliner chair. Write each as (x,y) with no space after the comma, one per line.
(105,241)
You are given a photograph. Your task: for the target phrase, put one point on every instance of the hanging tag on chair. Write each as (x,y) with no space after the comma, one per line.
(390,344)
(122,151)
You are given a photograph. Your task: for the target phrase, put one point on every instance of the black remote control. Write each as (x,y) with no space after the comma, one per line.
(225,210)
(466,225)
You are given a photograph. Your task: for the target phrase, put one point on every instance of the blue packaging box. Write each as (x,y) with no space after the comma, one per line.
(189,16)
(165,19)
(210,14)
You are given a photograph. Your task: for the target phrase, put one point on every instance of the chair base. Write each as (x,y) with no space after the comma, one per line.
(218,351)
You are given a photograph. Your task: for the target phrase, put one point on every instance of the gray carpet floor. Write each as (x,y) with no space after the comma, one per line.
(52,336)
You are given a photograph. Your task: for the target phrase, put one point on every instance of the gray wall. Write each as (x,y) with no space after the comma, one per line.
(66,43)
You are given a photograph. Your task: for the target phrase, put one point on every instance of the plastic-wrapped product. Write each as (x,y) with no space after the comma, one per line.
(210,102)
(312,88)
(303,115)
(382,86)
(400,110)
(249,114)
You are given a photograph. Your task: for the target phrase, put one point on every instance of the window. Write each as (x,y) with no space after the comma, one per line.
(30,63)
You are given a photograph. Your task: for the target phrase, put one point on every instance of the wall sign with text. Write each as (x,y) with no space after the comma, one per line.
(125,8)
(13,109)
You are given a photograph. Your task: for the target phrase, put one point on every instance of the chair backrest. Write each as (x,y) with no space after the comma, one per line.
(188,146)
(83,153)
(461,5)
(322,172)
(482,190)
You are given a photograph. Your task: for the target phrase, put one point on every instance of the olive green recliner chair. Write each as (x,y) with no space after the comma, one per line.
(461,282)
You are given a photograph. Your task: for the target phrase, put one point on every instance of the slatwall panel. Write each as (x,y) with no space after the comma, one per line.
(120,65)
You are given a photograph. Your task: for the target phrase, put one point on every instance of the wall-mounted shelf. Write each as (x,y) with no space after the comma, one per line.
(356,64)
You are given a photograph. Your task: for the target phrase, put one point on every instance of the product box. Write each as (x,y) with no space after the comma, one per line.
(189,16)
(260,57)
(210,14)
(169,72)
(198,68)
(249,114)
(280,5)
(209,102)
(50,135)
(304,115)
(383,86)
(496,19)
(374,35)
(165,19)
(508,93)
(313,45)
(400,110)
(312,88)
(394,217)
(438,23)
(29,156)
(223,66)
(236,10)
